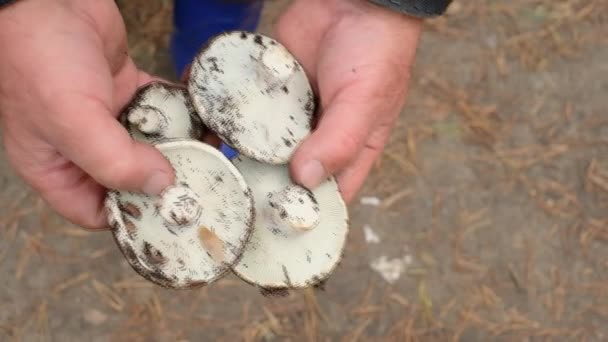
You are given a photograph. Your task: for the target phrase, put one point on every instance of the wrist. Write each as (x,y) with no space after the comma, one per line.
(416,8)
(10,6)
(382,16)
(368,10)
(5,3)
(401,32)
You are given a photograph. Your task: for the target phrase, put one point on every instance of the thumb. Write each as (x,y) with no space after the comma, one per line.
(341,134)
(95,141)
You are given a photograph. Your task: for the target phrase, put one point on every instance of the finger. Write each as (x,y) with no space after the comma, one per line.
(213,140)
(341,133)
(87,133)
(74,195)
(126,82)
(185,76)
(352,178)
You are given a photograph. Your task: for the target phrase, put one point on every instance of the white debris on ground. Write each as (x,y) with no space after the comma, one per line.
(370,235)
(95,317)
(391,270)
(371,201)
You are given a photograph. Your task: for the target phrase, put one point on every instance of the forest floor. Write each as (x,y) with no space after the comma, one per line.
(489,206)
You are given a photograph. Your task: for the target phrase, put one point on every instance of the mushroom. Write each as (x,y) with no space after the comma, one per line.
(161,111)
(299,234)
(193,232)
(253,94)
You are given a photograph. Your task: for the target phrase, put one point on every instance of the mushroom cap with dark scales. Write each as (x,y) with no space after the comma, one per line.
(196,230)
(161,111)
(299,235)
(253,94)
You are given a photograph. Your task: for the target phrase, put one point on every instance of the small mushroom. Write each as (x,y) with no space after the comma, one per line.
(161,111)
(253,94)
(299,235)
(193,232)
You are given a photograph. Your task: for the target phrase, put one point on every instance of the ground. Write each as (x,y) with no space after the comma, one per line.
(490,204)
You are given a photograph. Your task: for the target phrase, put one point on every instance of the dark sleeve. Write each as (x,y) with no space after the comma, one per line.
(4,3)
(416,8)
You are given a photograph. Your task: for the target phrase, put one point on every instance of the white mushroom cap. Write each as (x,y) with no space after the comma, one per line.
(253,94)
(196,230)
(161,111)
(299,235)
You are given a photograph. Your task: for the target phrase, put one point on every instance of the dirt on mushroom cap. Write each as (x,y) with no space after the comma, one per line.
(274,260)
(178,257)
(264,112)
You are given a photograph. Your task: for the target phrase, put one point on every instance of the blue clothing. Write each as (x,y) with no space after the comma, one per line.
(196,21)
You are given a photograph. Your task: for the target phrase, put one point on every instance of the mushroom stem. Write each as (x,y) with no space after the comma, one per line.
(148,119)
(294,208)
(273,72)
(180,206)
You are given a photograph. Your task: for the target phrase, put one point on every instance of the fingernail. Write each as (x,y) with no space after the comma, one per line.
(312,174)
(156,183)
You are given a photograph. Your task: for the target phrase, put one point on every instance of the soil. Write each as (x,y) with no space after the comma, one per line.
(489,204)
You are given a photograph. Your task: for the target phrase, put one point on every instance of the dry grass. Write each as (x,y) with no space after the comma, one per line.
(524,294)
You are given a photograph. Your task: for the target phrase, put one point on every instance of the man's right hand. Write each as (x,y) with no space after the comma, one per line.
(64,75)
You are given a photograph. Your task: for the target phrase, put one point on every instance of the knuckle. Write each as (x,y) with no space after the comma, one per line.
(347,146)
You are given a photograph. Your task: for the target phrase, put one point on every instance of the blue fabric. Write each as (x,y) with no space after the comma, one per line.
(196,21)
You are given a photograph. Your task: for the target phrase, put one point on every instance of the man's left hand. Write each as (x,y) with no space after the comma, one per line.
(358,56)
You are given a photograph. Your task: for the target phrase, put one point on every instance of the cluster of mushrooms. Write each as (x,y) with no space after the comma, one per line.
(243,215)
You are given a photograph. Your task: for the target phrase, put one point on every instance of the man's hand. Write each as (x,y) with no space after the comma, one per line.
(358,56)
(64,75)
